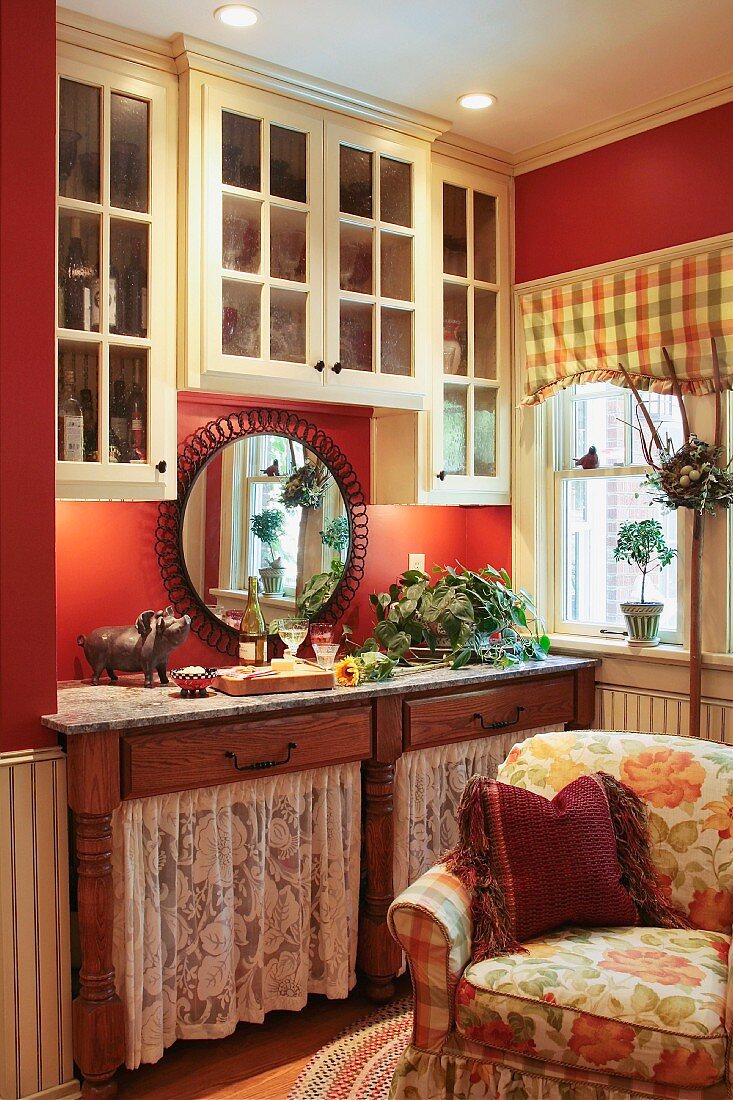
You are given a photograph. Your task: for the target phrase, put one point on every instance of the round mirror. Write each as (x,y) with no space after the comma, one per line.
(263,494)
(265,507)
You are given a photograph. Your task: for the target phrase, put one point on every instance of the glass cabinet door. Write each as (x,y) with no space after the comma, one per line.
(471,398)
(107,242)
(263,239)
(376,220)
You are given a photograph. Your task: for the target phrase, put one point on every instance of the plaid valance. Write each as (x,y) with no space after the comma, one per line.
(582,331)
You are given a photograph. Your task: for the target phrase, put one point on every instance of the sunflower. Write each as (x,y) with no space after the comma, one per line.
(347,672)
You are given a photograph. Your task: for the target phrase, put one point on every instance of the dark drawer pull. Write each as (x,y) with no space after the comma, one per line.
(264,764)
(498,725)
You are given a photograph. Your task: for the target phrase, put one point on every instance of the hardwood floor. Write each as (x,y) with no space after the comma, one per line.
(257,1062)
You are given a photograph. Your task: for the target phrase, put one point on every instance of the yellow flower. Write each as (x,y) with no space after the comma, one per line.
(347,672)
(556,749)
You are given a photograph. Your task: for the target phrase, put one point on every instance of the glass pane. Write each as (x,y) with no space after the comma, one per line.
(594,583)
(78,270)
(128,405)
(288,325)
(484,432)
(79,141)
(240,151)
(288,242)
(128,155)
(396,266)
(356,258)
(128,272)
(78,398)
(665,412)
(355,177)
(395,191)
(288,161)
(484,237)
(455,430)
(455,327)
(357,325)
(454,230)
(240,318)
(396,341)
(598,415)
(484,323)
(240,232)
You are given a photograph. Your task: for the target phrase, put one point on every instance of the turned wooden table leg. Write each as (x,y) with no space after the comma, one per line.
(97,1014)
(379,955)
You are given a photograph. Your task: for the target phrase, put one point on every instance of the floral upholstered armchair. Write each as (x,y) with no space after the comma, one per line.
(586,1014)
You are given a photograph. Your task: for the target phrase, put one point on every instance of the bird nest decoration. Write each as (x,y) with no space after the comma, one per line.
(691,476)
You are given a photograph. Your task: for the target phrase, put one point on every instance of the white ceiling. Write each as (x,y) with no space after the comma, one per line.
(555,65)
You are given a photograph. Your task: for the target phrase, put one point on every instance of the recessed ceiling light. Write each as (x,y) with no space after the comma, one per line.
(237,15)
(476,101)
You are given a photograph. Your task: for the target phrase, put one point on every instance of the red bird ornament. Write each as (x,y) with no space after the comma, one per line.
(274,470)
(589,461)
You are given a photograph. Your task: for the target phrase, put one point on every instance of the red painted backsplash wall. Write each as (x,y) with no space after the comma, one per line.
(107,571)
(654,190)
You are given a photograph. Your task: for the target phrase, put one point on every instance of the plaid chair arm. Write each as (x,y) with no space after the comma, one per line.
(431,920)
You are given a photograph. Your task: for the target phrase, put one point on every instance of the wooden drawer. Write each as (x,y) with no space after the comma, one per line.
(179,759)
(514,706)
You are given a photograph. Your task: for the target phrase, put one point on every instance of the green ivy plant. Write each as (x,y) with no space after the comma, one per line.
(318,589)
(642,544)
(475,615)
(335,535)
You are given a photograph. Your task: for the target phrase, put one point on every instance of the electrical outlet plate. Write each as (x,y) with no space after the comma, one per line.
(416,561)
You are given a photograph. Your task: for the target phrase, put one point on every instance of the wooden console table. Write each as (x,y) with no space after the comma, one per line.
(127,742)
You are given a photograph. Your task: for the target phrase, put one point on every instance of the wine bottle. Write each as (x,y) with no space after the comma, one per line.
(119,425)
(95,300)
(71,422)
(135,294)
(137,418)
(86,401)
(77,292)
(252,632)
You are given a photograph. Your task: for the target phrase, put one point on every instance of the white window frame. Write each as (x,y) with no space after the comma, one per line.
(535,543)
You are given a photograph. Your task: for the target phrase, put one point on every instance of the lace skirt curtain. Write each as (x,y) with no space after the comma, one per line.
(428,787)
(232,901)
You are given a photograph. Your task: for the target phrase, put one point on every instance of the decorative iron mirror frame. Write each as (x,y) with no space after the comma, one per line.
(193,457)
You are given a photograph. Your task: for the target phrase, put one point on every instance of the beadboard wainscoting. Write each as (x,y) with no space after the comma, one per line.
(35,970)
(619,708)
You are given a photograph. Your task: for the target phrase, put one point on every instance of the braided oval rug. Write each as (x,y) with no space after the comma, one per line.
(358,1064)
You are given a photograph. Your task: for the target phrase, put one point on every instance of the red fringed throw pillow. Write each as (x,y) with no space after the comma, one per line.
(531,864)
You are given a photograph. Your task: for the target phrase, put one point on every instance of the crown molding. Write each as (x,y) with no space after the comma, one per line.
(690,101)
(90,33)
(192,54)
(456,147)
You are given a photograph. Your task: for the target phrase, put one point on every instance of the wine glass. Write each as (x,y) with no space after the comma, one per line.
(322,633)
(293,632)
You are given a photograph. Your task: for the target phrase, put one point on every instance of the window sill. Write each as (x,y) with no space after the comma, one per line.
(580,645)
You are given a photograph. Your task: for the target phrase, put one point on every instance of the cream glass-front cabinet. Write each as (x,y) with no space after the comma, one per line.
(306,252)
(116,302)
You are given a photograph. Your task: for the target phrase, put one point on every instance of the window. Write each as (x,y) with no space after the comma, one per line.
(591,505)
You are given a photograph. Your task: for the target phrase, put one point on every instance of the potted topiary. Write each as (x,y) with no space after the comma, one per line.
(267,526)
(642,544)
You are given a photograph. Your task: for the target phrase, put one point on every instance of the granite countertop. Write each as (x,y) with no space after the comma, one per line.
(84,708)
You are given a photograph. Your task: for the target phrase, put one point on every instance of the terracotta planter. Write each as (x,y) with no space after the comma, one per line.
(642,623)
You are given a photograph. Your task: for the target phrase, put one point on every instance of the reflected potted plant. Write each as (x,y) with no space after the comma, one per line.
(642,544)
(268,526)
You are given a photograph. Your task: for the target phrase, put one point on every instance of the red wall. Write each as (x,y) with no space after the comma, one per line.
(119,576)
(657,189)
(27,403)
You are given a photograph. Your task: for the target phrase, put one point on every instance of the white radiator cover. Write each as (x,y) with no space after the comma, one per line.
(640,711)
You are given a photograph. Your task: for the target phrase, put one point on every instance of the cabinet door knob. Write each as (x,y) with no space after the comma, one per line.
(440,475)
(161,466)
(319,366)
(337,368)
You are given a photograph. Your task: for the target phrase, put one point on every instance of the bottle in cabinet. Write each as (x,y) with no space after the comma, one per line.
(112,305)
(86,401)
(119,424)
(137,418)
(70,421)
(75,299)
(135,295)
(252,630)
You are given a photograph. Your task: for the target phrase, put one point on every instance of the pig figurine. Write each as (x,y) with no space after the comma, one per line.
(144,647)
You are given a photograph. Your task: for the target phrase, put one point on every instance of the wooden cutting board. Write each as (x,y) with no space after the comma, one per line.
(301,678)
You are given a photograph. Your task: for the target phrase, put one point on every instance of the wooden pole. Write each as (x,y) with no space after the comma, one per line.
(698,531)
